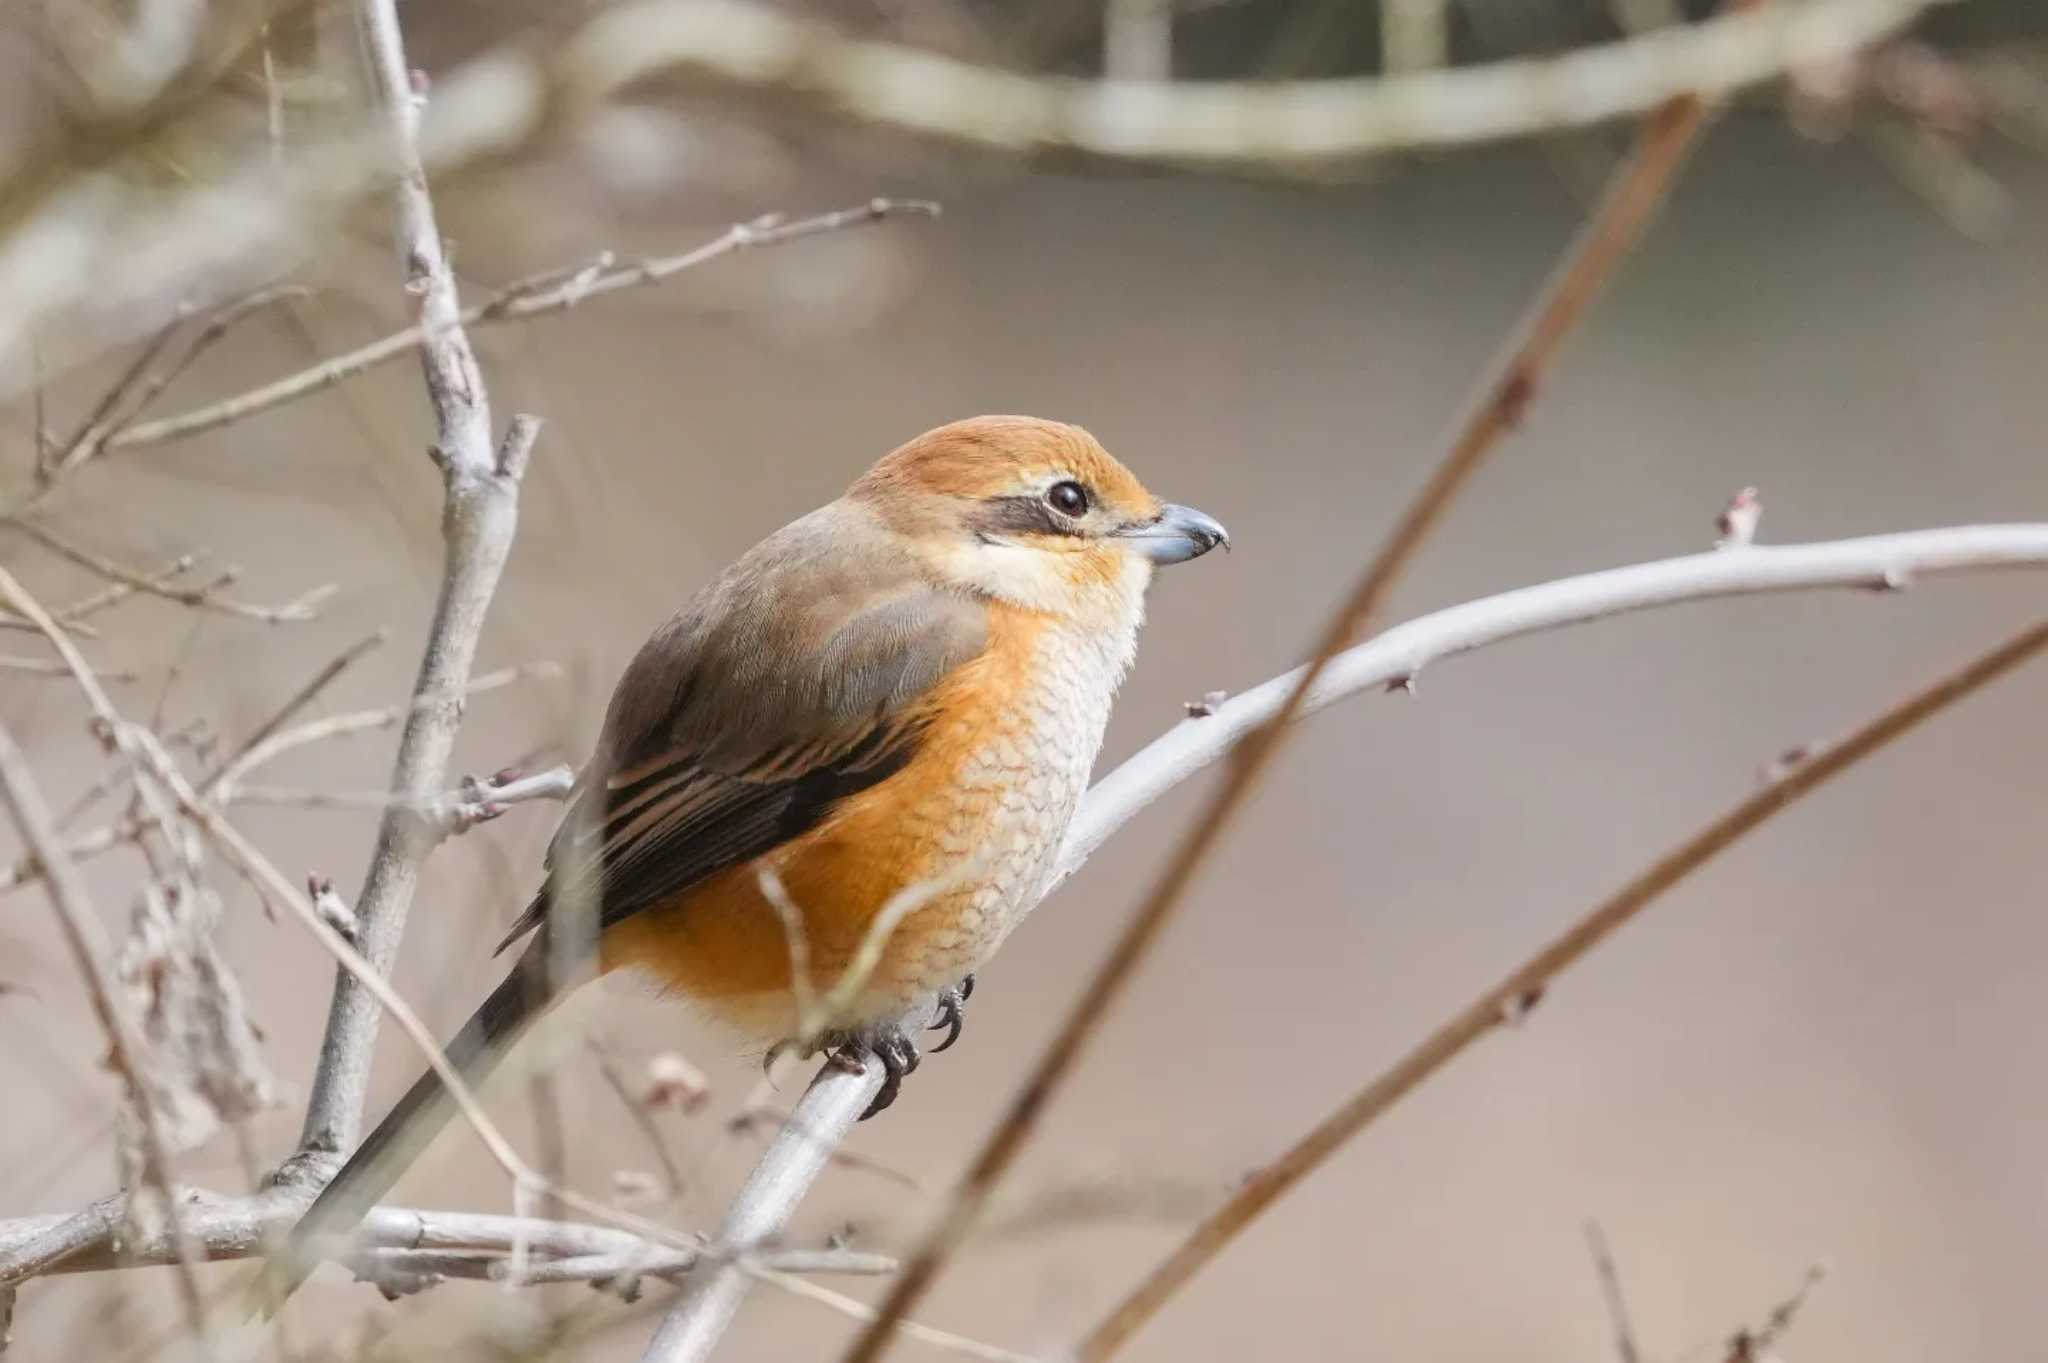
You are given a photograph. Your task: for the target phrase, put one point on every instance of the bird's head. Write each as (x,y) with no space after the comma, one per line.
(1033,512)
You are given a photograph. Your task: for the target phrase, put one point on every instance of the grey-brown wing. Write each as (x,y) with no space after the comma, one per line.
(788,687)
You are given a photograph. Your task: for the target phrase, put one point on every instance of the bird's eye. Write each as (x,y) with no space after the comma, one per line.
(1068,498)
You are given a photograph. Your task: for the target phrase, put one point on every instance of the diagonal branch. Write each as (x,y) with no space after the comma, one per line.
(1633,195)
(1388,661)
(558,291)
(1512,998)
(207,597)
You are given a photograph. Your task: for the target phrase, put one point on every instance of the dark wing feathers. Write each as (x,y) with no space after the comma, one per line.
(786,686)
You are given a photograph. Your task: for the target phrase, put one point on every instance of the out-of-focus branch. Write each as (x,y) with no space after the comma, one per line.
(219,1228)
(222,788)
(126,1050)
(481,485)
(208,597)
(1633,194)
(1254,127)
(1625,1348)
(1755,1346)
(73,617)
(1391,661)
(556,291)
(1515,995)
(89,259)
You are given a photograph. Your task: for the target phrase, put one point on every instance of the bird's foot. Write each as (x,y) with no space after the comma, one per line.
(951,1012)
(850,1053)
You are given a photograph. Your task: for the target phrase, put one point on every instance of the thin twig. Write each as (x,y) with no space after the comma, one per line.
(350,723)
(296,702)
(1754,1346)
(1512,998)
(477,800)
(223,788)
(92,430)
(860,1310)
(126,1050)
(204,598)
(1610,1288)
(1633,196)
(49,667)
(218,325)
(551,291)
(641,1116)
(73,616)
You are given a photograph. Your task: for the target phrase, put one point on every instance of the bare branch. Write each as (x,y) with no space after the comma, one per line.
(221,789)
(297,701)
(125,1045)
(481,516)
(204,598)
(1610,1287)
(49,667)
(94,428)
(477,800)
(800,1152)
(267,750)
(223,1229)
(549,292)
(1250,127)
(860,1310)
(1632,198)
(1523,987)
(1754,1346)
(118,257)
(73,616)
(1878,562)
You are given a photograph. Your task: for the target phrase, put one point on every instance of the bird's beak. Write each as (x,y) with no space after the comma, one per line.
(1176,534)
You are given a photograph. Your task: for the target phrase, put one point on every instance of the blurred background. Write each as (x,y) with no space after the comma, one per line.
(1823,1048)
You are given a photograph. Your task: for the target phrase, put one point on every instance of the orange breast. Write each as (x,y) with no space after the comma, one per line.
(977,813)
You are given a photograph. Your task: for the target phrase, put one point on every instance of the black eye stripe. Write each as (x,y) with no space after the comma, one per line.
(1020,515)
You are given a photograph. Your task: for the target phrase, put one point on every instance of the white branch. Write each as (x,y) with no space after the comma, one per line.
(90,257)
(1262,127)
(788,1168)
(219,1228)
(1876,562)
(1391,659)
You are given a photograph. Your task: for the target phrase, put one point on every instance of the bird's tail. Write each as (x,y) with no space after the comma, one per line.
(406,1131)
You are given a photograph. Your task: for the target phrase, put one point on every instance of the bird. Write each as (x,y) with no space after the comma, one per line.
(888,707)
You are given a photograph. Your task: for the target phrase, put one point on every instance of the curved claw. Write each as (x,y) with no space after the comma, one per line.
(899,1056)
(949,1018)
(951,1013)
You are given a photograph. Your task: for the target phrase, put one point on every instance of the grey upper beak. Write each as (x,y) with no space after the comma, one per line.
(1179,534)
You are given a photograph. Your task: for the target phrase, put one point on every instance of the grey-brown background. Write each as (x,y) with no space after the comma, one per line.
(1826,1046)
